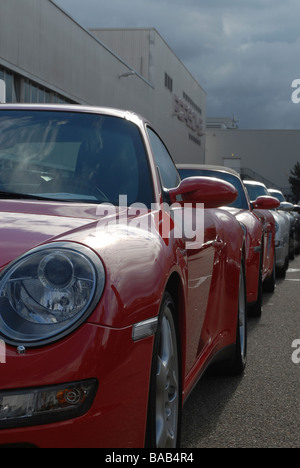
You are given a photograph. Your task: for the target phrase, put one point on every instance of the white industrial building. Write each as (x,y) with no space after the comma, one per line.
(46,56)
(264,155)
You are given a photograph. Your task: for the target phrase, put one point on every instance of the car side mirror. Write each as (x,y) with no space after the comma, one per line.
(265,202)
(286,206)
(210,191)
(297,208)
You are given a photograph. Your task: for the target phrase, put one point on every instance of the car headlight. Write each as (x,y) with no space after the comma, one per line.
(48,292)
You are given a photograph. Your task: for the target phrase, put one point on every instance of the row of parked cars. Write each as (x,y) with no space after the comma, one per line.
(122,278)
(287,222)
(264,212)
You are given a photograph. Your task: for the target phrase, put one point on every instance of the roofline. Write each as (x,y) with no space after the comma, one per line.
(275,190)
(209,167)
(114,112)
(160,36)
(87,31)
(254,182)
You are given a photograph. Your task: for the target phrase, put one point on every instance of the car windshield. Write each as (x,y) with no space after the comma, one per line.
(240,202)
(256,191)
(277,195)
(72,156)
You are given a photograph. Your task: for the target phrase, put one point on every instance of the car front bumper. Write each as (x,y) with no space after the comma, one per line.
(120,369)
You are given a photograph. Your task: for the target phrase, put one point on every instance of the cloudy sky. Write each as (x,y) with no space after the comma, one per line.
(244,53)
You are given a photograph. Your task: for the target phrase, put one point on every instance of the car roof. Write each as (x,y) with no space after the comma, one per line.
(275,190)
(121,113)
(208,167)
(254,182)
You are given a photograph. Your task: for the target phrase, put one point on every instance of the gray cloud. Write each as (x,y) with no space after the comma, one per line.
(244,53)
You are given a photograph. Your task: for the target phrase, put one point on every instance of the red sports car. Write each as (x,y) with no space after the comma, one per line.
(255,190)
(259,231)
(117,287)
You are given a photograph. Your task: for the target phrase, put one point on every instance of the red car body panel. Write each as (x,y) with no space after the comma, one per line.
(268,224)
(267,221)
(139,265)
(253,249)
(260,236)
(92,350)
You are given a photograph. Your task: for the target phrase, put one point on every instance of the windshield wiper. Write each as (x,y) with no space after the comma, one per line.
(22,196)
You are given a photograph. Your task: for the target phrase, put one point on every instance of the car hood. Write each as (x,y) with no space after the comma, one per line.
(25,225)
(133,255)
(28,224)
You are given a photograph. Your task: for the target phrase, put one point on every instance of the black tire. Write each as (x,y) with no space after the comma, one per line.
(255,310)
(164,407)
(281,271)
(238,363)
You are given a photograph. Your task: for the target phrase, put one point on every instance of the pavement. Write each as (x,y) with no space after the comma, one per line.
(261,409)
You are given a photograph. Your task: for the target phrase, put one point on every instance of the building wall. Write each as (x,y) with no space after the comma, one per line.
(134,46)
(269,153)
(40,41)
(147,52)
(46,56)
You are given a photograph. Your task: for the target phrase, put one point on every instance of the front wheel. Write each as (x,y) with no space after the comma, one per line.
(164,411)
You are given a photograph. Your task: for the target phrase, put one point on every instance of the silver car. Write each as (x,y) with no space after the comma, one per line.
(282,228)
(288,209)
(282,243)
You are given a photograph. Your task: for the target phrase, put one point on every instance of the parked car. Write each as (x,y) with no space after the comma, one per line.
(296,214)
(288,208)
(259,260)
(282,228)
(268,222)
(117,287)
(277,193)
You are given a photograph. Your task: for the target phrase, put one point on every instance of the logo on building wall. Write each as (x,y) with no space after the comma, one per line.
(186,114)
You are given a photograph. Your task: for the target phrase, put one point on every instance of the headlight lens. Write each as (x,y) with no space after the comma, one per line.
(49,291)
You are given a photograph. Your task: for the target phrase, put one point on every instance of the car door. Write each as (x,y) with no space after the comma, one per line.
(200,256)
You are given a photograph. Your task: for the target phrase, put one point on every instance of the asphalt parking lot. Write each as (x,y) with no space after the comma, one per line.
(262,408)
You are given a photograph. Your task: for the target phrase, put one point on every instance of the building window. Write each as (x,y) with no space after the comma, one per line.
(168,82)
(11,93)
(38,94)
(20,89)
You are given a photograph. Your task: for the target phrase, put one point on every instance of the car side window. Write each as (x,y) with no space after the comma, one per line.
(168,172)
